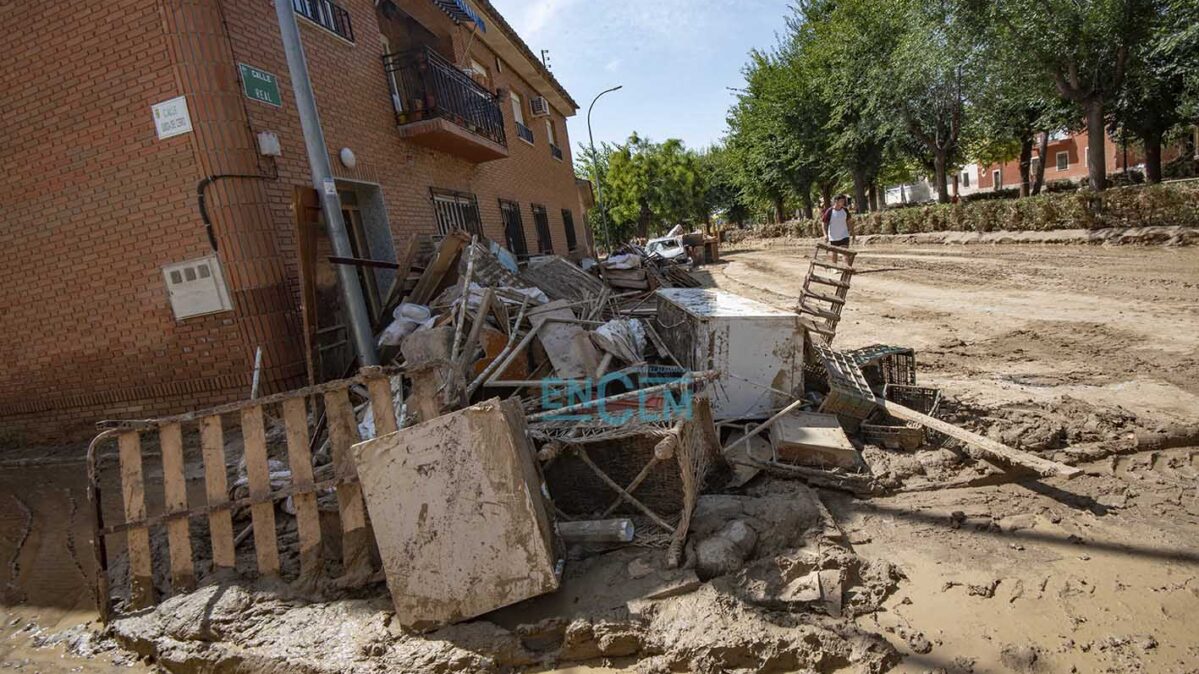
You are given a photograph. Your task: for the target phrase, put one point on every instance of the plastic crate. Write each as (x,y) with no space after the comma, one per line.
(883,365)
(886,431)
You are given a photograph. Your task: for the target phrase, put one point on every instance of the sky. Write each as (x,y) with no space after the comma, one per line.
(677,60)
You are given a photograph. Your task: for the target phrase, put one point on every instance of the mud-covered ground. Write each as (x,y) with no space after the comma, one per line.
(1063,350)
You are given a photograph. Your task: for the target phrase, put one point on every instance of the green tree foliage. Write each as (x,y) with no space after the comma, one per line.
(1157,93)
(1085,47)
(649,187)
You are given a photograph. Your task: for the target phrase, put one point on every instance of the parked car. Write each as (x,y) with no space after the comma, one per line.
(669,248)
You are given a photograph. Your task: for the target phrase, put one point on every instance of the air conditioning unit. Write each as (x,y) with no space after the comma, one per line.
(541,108)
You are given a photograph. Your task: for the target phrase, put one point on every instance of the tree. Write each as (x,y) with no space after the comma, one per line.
(651,186)
(1084,47)
(1153,98)
(593,167)
(721,191)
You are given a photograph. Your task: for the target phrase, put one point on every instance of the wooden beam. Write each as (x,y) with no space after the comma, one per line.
(133,493)
(308,517)
(258,473)
(183,574)
(382,406)
(216,486)
(355,538)
(993,450)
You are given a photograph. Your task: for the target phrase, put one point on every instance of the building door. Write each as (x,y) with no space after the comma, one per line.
(352,215)
(514,229)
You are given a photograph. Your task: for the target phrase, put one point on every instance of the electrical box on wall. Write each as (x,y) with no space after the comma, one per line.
(268,144)
(197,287)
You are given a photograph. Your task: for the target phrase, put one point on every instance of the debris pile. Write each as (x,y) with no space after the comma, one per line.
(573,467)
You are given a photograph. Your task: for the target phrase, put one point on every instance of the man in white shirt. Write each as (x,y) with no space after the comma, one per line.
(838,227)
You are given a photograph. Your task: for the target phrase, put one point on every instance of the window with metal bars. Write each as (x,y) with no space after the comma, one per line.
(456,210)
(568,224)
(541,220)
(327,15)
(514,229)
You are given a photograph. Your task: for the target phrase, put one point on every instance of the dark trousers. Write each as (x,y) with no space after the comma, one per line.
(840,243)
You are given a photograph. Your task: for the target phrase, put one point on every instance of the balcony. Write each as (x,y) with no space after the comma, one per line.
(524,132)
(442,108)
(555,152)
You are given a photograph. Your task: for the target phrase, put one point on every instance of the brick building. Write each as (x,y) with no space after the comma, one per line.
(1067,160)
(436,115)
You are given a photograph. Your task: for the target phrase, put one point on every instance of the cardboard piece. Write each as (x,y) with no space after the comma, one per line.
(813,439)
(458,514)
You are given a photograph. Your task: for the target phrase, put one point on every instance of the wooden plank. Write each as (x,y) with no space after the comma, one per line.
(472,339)
(216,486)
(382,406)
(299,459)
(183,574)
(133,494)
(355,539)
(258,473)
(396,292)
(434,275)
(993,450)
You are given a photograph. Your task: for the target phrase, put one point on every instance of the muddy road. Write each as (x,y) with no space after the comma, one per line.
(1092,575)
(1061,350)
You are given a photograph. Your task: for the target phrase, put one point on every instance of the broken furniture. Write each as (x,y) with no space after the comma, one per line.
(458,514)
(824,290)
(813,439)
(884,431)
(757,348)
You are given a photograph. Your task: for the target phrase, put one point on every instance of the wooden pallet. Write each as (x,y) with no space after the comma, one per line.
(824,290)
(292,407)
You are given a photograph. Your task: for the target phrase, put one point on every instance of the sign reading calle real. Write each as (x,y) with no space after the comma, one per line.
(260,85)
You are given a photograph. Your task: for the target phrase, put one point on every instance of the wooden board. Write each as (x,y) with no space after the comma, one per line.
(216,486)
(133,494)
(436,274)
(460,521)
(572,357)
(355,538)
(993,450)
(813,439)
(382,406)
(183,575)
(258,473)
(299,459)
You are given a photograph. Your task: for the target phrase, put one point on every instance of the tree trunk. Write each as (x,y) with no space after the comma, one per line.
(859,192)
(1025,166)
(1096,161)
(1042,150)
(872,195)
(826,195)
(940,176)
(643,222)
(956,186)
(807,202)
(779,209)
(1153,157)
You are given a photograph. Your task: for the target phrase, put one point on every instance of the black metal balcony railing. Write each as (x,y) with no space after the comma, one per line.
(327,15)
(524,132)
(431,87)
(555,151)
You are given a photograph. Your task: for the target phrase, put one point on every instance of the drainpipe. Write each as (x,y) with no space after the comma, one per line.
(322,180)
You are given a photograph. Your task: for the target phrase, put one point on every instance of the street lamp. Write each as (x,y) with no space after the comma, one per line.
(599,185)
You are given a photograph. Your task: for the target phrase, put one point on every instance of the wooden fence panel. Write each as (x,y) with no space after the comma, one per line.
(308,522)
(137,539)
(183,574)
(216,486)
(258,473)
(355,539)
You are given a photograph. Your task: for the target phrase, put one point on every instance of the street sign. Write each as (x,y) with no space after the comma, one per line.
(260,85)
(171,118)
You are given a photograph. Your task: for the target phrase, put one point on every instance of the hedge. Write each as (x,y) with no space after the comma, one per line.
(1138,206)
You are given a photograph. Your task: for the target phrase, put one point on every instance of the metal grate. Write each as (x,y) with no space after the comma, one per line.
(514,229)
(524,132)
(456,210)
(555,151)
(568,223)
(327,15)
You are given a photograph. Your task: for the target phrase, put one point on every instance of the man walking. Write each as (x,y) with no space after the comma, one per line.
(838,228)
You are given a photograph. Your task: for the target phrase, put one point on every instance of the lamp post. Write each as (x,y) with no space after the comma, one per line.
(599,184)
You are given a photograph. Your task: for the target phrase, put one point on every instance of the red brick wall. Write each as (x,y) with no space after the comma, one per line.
(95,204)
(1074,146)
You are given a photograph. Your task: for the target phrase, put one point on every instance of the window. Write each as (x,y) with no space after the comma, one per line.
(456,210)
(518,115)
(479,72)
(1063,160)
(541,220)
(327,15)
(568,224)
(997,179)
(514,229)
(552,136)
(965,179)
